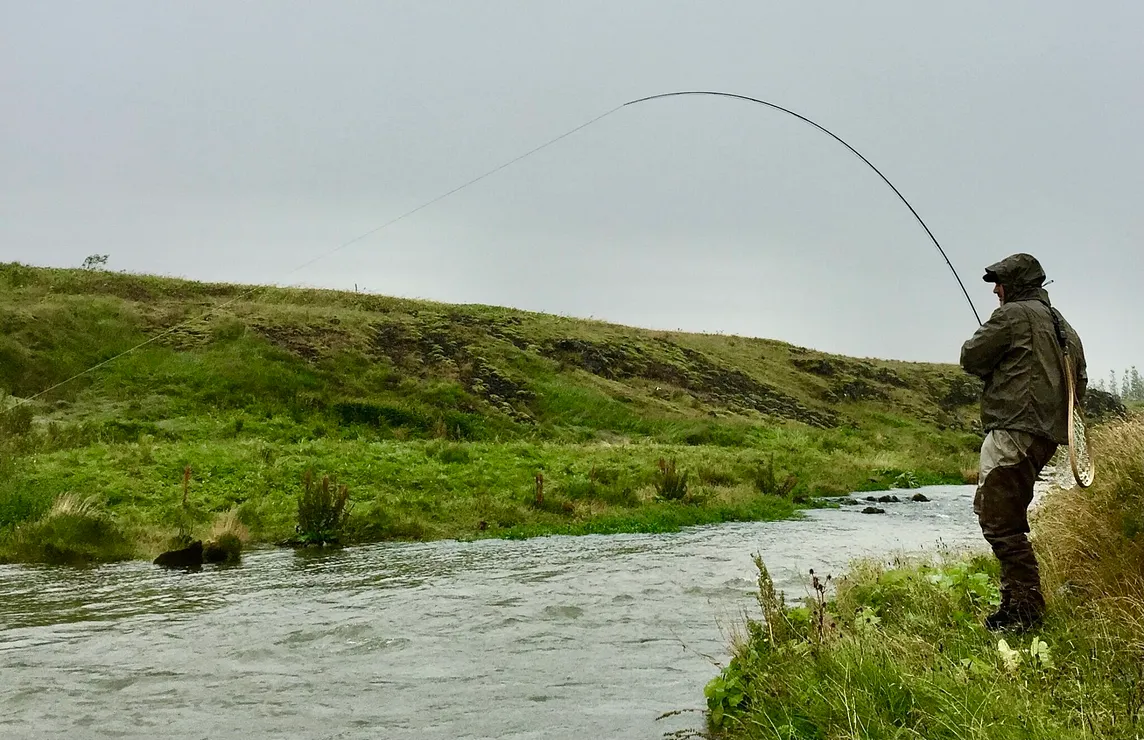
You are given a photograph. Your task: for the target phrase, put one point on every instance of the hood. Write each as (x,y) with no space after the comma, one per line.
(1022,276)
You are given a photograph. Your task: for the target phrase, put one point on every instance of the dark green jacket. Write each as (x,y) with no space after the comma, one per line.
(1018,355)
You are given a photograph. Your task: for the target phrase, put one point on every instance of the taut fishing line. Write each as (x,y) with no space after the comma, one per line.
(1073,418)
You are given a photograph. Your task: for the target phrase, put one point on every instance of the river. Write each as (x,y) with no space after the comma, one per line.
(554,637)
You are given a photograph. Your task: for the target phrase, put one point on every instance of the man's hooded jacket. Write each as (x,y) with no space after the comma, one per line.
(1018,354)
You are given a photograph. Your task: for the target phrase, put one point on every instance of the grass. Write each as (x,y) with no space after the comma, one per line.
(437,418)
(897,649)
(73,532)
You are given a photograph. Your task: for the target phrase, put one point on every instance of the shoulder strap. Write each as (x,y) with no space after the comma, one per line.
(1061,339)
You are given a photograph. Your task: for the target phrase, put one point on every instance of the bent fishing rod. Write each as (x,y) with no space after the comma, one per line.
(506,165)
(839,139)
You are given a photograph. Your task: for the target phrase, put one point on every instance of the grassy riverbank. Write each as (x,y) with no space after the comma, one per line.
(898,651)
(438,418)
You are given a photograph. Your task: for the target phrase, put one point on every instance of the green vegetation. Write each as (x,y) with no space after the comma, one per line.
(72,532)
(1129,389)
(322,511)
(899,651)
(437,418)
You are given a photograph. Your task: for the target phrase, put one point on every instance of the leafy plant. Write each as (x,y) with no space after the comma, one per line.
(907,479)
(963,579)
(725,693)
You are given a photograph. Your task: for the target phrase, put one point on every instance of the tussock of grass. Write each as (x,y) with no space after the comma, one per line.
(227,538)
(75,531)
(898,650)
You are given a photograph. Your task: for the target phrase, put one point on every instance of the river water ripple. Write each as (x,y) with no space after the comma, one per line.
(555,637)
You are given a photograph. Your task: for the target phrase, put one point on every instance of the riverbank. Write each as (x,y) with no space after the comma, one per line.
(898,649)
(438,419)
(409,490)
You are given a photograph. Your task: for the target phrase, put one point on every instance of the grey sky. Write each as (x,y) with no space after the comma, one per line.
(235,141)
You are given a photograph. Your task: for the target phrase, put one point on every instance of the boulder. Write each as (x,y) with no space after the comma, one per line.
(189,558)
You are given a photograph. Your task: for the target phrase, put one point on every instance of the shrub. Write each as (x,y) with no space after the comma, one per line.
(553,504)
(377,523)
(322,511)
(19,504)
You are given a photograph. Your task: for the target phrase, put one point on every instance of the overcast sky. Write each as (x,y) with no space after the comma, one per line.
(237,140)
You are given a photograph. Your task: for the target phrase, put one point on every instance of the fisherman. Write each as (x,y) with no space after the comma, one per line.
(1019,353)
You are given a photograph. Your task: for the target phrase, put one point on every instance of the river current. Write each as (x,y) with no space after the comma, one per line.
(553,637)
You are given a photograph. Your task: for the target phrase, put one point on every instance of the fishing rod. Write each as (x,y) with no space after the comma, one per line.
(494,170)
(839,139)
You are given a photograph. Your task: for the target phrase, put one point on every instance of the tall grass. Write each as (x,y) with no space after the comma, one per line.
(1092,540)
(75,531)
(898,650)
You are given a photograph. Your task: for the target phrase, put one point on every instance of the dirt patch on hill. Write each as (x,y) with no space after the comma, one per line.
(436,345)
(688,369)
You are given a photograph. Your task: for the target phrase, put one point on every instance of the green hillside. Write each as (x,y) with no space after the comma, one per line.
(437,417)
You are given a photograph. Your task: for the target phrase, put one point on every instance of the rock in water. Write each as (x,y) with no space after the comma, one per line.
(918,497)
(189,558)
(873,510)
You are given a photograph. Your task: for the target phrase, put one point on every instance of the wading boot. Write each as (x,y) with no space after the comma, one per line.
(1019,616)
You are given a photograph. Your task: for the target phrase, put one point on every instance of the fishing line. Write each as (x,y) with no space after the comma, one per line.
(306,264)
(477,179)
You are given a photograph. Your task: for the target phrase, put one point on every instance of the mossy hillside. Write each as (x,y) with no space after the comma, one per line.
(270,382)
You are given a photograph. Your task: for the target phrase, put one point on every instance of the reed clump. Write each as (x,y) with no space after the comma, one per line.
(670,484)
(323,509)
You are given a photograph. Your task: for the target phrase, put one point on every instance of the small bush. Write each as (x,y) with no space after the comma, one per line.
(670,485)
(578,487)
(322,511)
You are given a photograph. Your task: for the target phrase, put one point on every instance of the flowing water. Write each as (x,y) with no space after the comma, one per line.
(555,637)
